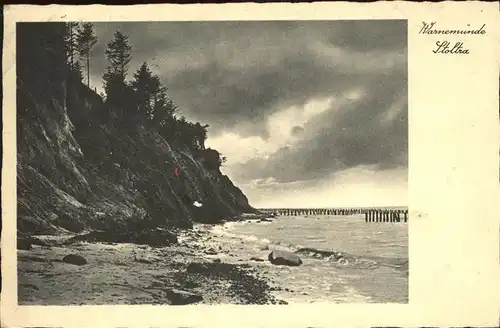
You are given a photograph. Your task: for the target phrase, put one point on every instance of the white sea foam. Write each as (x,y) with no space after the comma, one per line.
(372,257)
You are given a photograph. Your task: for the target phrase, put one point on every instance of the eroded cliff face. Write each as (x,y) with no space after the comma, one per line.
(76,171)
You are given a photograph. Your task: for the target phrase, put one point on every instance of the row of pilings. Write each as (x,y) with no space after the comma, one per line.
(370,214)
(317,211)
(386,216)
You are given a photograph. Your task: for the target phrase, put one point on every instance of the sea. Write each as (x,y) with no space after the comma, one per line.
(374,268)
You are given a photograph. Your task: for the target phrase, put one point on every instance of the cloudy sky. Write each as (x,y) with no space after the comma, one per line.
(307,113)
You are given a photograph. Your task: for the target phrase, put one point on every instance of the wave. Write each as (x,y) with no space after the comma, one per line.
(335,257)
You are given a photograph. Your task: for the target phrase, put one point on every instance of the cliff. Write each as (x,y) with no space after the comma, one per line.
(77,171)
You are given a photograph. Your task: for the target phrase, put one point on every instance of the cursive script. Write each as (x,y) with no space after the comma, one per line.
(429,28)
(444,47)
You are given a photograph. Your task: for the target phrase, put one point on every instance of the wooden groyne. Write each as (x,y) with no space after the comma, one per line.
(370,214)
(378,215)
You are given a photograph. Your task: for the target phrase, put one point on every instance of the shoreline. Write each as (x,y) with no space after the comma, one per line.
(208,264)
(193,270)
(330,273)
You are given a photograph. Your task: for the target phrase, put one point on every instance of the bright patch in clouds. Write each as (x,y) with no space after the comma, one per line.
(239,149)
(356,187)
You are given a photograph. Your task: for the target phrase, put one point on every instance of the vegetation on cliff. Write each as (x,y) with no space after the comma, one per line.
(118,161)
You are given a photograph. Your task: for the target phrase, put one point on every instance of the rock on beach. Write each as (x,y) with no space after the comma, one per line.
(284,258)
(181,297)
(74,259)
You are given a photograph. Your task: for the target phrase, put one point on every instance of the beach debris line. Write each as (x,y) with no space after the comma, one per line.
(244,283)
(284,258)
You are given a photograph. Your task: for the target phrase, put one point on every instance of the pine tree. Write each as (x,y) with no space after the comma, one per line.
(142,84)
(118,54)
(71,42)
(151,94)
(86,40)
(158,95)
(164,110)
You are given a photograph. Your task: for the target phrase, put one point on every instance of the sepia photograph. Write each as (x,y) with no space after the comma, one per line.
(212,162)
(251,165)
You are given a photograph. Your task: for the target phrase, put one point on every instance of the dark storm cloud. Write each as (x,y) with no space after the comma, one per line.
(235,75)
(371,34)
(357,134)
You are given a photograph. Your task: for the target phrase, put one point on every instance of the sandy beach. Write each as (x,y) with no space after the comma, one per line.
(209,264)
(124,273)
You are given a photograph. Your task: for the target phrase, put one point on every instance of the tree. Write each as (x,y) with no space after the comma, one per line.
(118,54)
(164,111)
(86,40)
(201,134)
(71,42)
(42,62)
(143,87)
(153,102)
(213,159)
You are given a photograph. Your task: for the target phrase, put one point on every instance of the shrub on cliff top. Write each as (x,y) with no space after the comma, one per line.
(213,160)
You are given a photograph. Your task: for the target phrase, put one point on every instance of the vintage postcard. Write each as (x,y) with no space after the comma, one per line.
(267,165)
